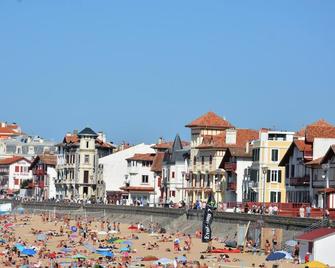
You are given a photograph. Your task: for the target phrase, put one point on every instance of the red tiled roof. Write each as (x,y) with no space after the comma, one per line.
(137,189)
(316,234)
(168,145)
(210,120)
(12,160)
(142,157)
(158,162)
(219,141)
(302,146)
(318,129)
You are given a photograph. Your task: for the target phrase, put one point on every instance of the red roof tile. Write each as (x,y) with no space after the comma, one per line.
(318,129)
(142,157)
(74,139)
(316,234)
(315,162)
(158,162)
(137,189)
(302,146)
(168,145)
(210,120)
(12,160)
(219,141)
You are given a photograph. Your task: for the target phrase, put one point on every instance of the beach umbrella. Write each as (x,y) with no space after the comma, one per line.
(41,237)
(149,258)
(8,225)
(28,252)
(132,227)
(291,243)
(127,242)
(2,241)
(52,255)
(288,255)
(106,254)
(164,261)
(66,250)
(124,249)
(89,247)
(112,240)
(19,247)
(118,241)
(182,259)
(315,264)
(275,256)
(74,229)
(79,257)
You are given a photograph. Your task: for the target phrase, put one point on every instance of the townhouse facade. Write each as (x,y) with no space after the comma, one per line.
(14,172)
(44,174)
(306,169)
(211,136)
(79,175)
(175,168)
(115,171)
(141,186)
(267,178)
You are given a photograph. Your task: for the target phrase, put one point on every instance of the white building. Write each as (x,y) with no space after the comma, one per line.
(44,174)
(237,162)
(141,185)
(319,243)
(14,171)
(174,171)
(78,173)
(115,169)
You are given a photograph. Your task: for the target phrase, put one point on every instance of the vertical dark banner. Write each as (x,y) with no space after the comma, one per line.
(208,219)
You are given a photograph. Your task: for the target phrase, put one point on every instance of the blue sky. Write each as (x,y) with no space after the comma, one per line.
(143,69)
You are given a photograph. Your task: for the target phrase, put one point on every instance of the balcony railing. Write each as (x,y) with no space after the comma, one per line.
(231,186)
(299,181)
(229,166)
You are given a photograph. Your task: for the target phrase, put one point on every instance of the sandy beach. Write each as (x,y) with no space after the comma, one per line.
(63,233)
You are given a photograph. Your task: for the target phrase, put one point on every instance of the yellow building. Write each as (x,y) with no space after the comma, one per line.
(267,178)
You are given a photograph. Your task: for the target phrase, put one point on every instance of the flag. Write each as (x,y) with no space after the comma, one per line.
(208,219)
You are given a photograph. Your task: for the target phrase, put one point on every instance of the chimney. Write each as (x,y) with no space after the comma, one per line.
(160,140)
(231,136)
(247,147)
(101,136)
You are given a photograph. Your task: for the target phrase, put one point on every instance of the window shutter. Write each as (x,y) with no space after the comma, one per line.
(268,176)
(279,176)
(279,197)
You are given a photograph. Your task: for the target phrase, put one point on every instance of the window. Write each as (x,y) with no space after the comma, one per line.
(87,144)
(287,171)
(210,159)
(172,193)
(85,191)
(255,154)
(194,160)
(275,197)
(202,160)
(87,159)
(172,174)
(274,155)
(16,181)
(274,176)
(145,179)
(292,171)
(86,176)
(17,168)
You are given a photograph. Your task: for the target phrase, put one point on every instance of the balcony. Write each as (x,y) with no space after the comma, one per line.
(299,181)
(229,166)
(231,186)
(39,172)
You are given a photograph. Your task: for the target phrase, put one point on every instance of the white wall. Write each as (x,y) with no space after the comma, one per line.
(18,175)
(52,173)
(241,166)
(115,165)
(321,146)
(324,250)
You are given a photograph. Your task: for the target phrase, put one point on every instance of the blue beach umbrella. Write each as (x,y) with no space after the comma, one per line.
(106,253)
(127,242)
(124,249)
(20,247)
(28,252)
(275,256)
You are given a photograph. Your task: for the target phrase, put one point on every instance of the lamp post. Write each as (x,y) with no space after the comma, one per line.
(264,171)
(325,176)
